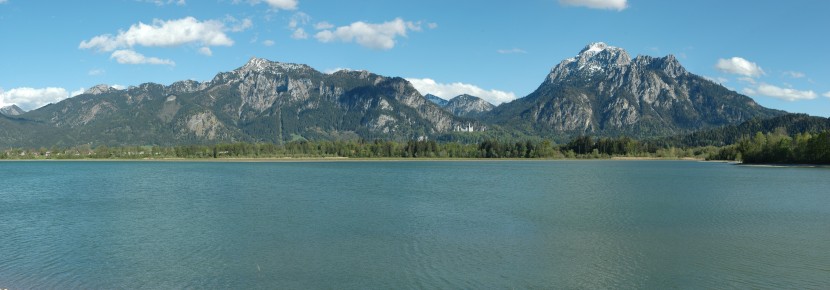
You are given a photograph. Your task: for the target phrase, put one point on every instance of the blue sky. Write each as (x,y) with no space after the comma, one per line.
(773,51)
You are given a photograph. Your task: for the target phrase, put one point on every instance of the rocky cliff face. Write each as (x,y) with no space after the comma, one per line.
(468,106)
(602,91)
(262,101)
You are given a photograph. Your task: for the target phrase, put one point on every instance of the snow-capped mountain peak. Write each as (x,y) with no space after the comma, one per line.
(594,48)
(595,57)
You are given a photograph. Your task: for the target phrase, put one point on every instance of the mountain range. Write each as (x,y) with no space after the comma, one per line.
(601,92)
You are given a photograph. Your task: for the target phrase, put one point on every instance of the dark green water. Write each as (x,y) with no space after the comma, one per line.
(582,224)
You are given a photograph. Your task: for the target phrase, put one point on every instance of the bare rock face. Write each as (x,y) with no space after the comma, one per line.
(602,91)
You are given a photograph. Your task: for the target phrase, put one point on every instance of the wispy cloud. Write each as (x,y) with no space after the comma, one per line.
(205,51)
(451,90)
(719,80)
(334,70)
(794,74)
(511,51)
(274,4)
(126,56)
(787,94)
(157,2)
(618,5)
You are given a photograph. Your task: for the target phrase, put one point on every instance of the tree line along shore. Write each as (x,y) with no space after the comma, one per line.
(762,148)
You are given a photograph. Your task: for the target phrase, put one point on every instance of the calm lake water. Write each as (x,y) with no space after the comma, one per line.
(559,224)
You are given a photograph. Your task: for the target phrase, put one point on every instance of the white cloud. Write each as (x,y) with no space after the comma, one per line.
(334,70)
(162,2)
(511,51)
(618,5)
(268,42)
(239,25)
(787,94)
(118,87)
(32,98)
(275,4)
(795,74)
(3,1)
(163,34)
(126,56)
(77,92)
(298,19)
(205,51)
(299,34)
(97,71)
(739,66)
(747,80)
(374,36)
(323,25)
(432,25)
(283,4)
(718,80)
(448,91)
(827,94)
(414,26)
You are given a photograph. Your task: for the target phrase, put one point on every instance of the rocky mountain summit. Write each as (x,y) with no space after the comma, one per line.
(603,91)
(463,105)
(468,106)
(11,110)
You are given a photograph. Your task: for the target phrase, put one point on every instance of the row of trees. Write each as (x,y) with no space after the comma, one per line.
(582,147)
(775,147)
(803,148)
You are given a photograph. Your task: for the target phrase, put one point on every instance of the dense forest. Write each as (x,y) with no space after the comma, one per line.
(582,147)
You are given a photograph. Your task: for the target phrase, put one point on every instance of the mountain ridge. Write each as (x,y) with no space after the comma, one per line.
(601,91)
(261,101)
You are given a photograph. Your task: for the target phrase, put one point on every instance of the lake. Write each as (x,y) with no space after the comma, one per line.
(444,224)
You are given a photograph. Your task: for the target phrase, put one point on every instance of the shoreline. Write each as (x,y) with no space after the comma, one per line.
(346,159)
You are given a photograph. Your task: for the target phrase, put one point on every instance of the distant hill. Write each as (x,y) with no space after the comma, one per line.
(790,123)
